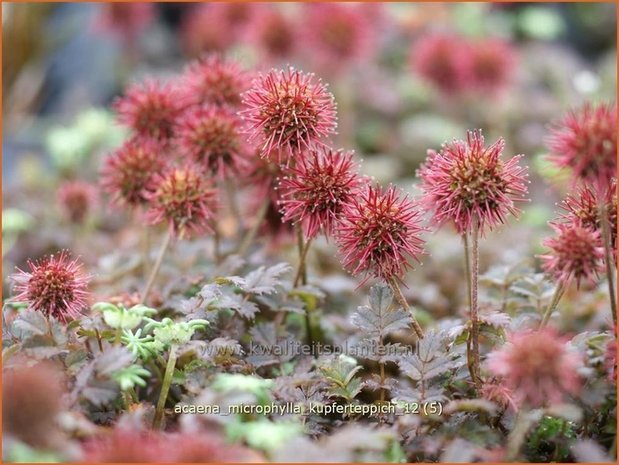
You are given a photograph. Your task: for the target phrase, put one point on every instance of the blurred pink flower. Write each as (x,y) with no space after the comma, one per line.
(288,111)
(210,136)
(214,80)
(185,199)
(317,189)
(575,252)
(379,233)
(439,58)
(55,286)
(492,63)
(537,366)
(337,35)
(150,109)
(77,199)
(467,181)
(273,34)
(585,140)
(124,19)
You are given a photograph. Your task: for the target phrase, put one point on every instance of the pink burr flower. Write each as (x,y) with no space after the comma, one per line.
(128,173)
(316,191)
(379,233)
(575,252)
(214,80)
(467,181)
(77,199)
(210,136)
(55,286)
(288,111)
(537,366)
(150,109)
(491,64)
(185,199)
(585,141)
(273,34)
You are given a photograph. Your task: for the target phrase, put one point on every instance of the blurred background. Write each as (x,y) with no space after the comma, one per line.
(406,78)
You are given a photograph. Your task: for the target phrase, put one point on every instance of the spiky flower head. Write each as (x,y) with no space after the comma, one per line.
(77,199)
(288,111)
(150,109)
(585,141)
(128,173)
(125,20)
(214,80)
(575,252)
(317,189)
(185,199)
(379,233)
(467,181)
(210,136)
(337,34)
(582,208)
(55,286)
(491,65)
(438,58)
(537,366)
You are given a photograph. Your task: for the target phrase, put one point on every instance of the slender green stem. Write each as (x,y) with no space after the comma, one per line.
(301,269)
(146,252)
(251,233)
(216,245)
(381,364)
(165,387)
(474,334)
(156,267)
(117,336)
(395,287)
(469,286)
(608,259)
(556,297)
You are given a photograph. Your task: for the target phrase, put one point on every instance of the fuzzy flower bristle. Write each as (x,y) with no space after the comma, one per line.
(185,199)
(537,367)
(582,208)
(575,252)
(128,173)
(150,109)
(288,111)
(210,136)
(54,285)
(379,233)
(77,199)
(214,80)
(316,191)
(467,181)
(585,141)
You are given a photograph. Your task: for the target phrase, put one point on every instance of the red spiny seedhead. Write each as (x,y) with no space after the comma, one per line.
(77,199)
(538,367)
(316,191)
(128,173)
(150,109)
(210,136)
(273,34)
(337,34)
(441,59)
(379,233)
(575,252)
(585,140)
(492,63)
(468,181)
(288,111)
(583,208)
(55,286)
(185,199)
(214,80)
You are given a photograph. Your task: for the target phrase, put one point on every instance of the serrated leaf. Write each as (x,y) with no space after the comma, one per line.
(113,359)
(29,323)
(263,280)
